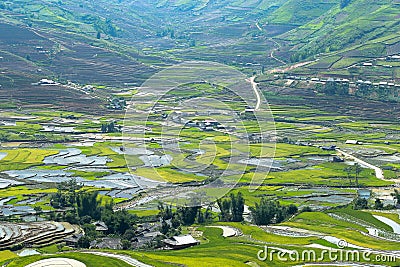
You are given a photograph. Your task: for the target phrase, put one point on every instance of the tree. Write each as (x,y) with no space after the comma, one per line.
(98,36)
(378,204)
(264,212)
(357,170)
(164,228)
(164,212)
(84,242)
(70,216)
(208,215)
(4,136)
(188,214)
(89,205)
(360,203)
(348,170)
(126,244)
(200,217)
(129,234)
(396,196)
(306,209)
(38,210)
(109,128)
(292,209)
(237,207)
(225,208)
(175,221)
(232,208)
(60,247)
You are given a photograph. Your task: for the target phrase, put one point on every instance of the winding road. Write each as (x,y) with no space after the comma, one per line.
(378,171)
(256,92)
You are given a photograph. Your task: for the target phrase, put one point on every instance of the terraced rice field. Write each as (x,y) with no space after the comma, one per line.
(34,234)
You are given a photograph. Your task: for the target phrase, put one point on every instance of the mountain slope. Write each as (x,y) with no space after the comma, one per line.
(361,22)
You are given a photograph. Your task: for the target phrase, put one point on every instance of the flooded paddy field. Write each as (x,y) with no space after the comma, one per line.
(299,171)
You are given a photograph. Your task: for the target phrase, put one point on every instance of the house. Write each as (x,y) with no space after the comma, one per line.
(352,142)
(249,113)
(337,159)
(255,138)
(191,124)
(180,242)
(46,82)
(100,226)
(107,243)
(72,241)
(249,110)
(212,123)
(328,148)
(144,239)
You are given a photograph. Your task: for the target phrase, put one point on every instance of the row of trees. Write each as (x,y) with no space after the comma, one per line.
(356,169)
(231,208)
(384,93)
(270,211)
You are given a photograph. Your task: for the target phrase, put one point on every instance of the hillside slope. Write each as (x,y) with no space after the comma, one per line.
(365,26)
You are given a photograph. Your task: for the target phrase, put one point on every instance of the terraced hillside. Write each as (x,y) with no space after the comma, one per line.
(34,234)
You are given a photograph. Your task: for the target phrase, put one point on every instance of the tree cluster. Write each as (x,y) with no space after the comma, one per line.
(66,195)
(85,208)
(101,25)
(270,211)
(110,128)
(362,203)
(383,93)
(231,208)
(356,169)
(335,88)
(171,221)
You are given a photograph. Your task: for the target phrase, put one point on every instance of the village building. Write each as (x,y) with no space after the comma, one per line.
(47,82)
(367,64)
(337,159)
(100,226)
(328,148)
(181,242)
(72,241)
(353,142)
(107,243)
(212,123)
